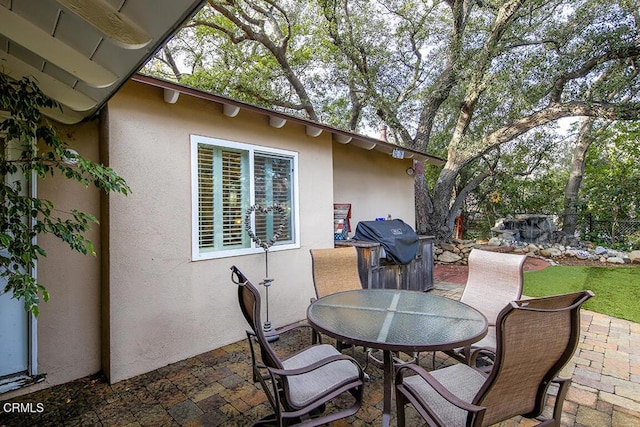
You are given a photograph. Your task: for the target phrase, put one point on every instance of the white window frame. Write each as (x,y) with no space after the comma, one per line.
(196,253)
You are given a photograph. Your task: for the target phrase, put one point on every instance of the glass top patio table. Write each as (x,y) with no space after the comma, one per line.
(396,320)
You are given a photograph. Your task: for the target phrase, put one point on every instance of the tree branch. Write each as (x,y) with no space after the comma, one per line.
(586,67)
(610,111)
(445,82)
(462,195)
(259,35)
(261,99)
(168,56)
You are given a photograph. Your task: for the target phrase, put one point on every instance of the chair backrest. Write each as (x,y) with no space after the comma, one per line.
(494,280)
(335,270)
(535,339)
(249,300)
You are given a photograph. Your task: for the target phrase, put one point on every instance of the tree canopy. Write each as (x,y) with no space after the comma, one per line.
(613,173)
(470,81)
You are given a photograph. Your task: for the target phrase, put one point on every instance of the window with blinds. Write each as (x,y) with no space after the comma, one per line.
(221,174)
(229,178)
(273,187)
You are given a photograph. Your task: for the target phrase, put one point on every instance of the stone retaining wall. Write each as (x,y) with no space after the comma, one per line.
(457,252)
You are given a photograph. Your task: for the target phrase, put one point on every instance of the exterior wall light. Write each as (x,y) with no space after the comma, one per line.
(70,157)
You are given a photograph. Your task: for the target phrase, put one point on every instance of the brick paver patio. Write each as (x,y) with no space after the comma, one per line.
(215,388)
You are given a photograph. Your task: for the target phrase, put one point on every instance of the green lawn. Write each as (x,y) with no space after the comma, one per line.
(617,289)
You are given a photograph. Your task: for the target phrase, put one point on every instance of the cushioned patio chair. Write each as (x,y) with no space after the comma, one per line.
(299,387)
(494,280)
(535,339)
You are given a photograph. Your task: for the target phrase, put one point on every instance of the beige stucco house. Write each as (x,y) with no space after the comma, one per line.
(153,295)
(159,290)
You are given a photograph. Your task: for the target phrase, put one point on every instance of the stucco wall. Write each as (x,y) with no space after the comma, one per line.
(374,183)
(164,307)
(69,324)
(159,306)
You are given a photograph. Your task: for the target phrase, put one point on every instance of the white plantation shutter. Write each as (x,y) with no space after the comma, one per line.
(232,205)
(206,218)
(228,178)
(221,197)
(272,177)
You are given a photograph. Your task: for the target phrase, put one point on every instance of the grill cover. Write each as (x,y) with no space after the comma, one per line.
(397,238)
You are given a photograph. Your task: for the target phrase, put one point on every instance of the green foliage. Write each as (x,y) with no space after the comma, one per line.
(633,240)
(622,241)
(528,177)
(459,80)
(612,174)
(609,193)
(616,288)
(31,149)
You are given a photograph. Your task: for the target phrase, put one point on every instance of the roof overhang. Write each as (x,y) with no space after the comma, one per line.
(277,119)
(82,51)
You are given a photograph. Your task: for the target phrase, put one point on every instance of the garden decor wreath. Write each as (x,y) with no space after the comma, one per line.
(265,210)
(266,245)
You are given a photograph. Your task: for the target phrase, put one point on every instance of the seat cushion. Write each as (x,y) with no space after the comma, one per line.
(461,380)
(307,387)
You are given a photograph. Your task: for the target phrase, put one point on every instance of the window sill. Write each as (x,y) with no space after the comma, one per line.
(240,252)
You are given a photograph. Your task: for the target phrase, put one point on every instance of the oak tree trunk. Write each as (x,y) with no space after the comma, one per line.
(572,189)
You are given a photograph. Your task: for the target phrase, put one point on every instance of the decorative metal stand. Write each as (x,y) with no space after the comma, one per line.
(267,283)
(267,328)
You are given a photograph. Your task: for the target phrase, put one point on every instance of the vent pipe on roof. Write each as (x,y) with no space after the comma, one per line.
(383,132)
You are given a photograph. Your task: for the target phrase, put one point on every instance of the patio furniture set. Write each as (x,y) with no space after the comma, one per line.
(523,343)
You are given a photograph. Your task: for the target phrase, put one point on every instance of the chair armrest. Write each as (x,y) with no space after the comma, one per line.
(416,398)
(281,380)
(278,375)
(563,383)
(563,388)
(474,352)
(288,328)
(320,363)
(315,336)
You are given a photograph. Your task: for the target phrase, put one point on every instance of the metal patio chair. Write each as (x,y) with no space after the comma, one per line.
(335,270)
(299,387)
(495,279)
(535,339)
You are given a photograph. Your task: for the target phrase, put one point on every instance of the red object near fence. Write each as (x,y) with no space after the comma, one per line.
(458,228)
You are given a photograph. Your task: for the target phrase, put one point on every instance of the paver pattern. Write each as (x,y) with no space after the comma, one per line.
(216,388)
